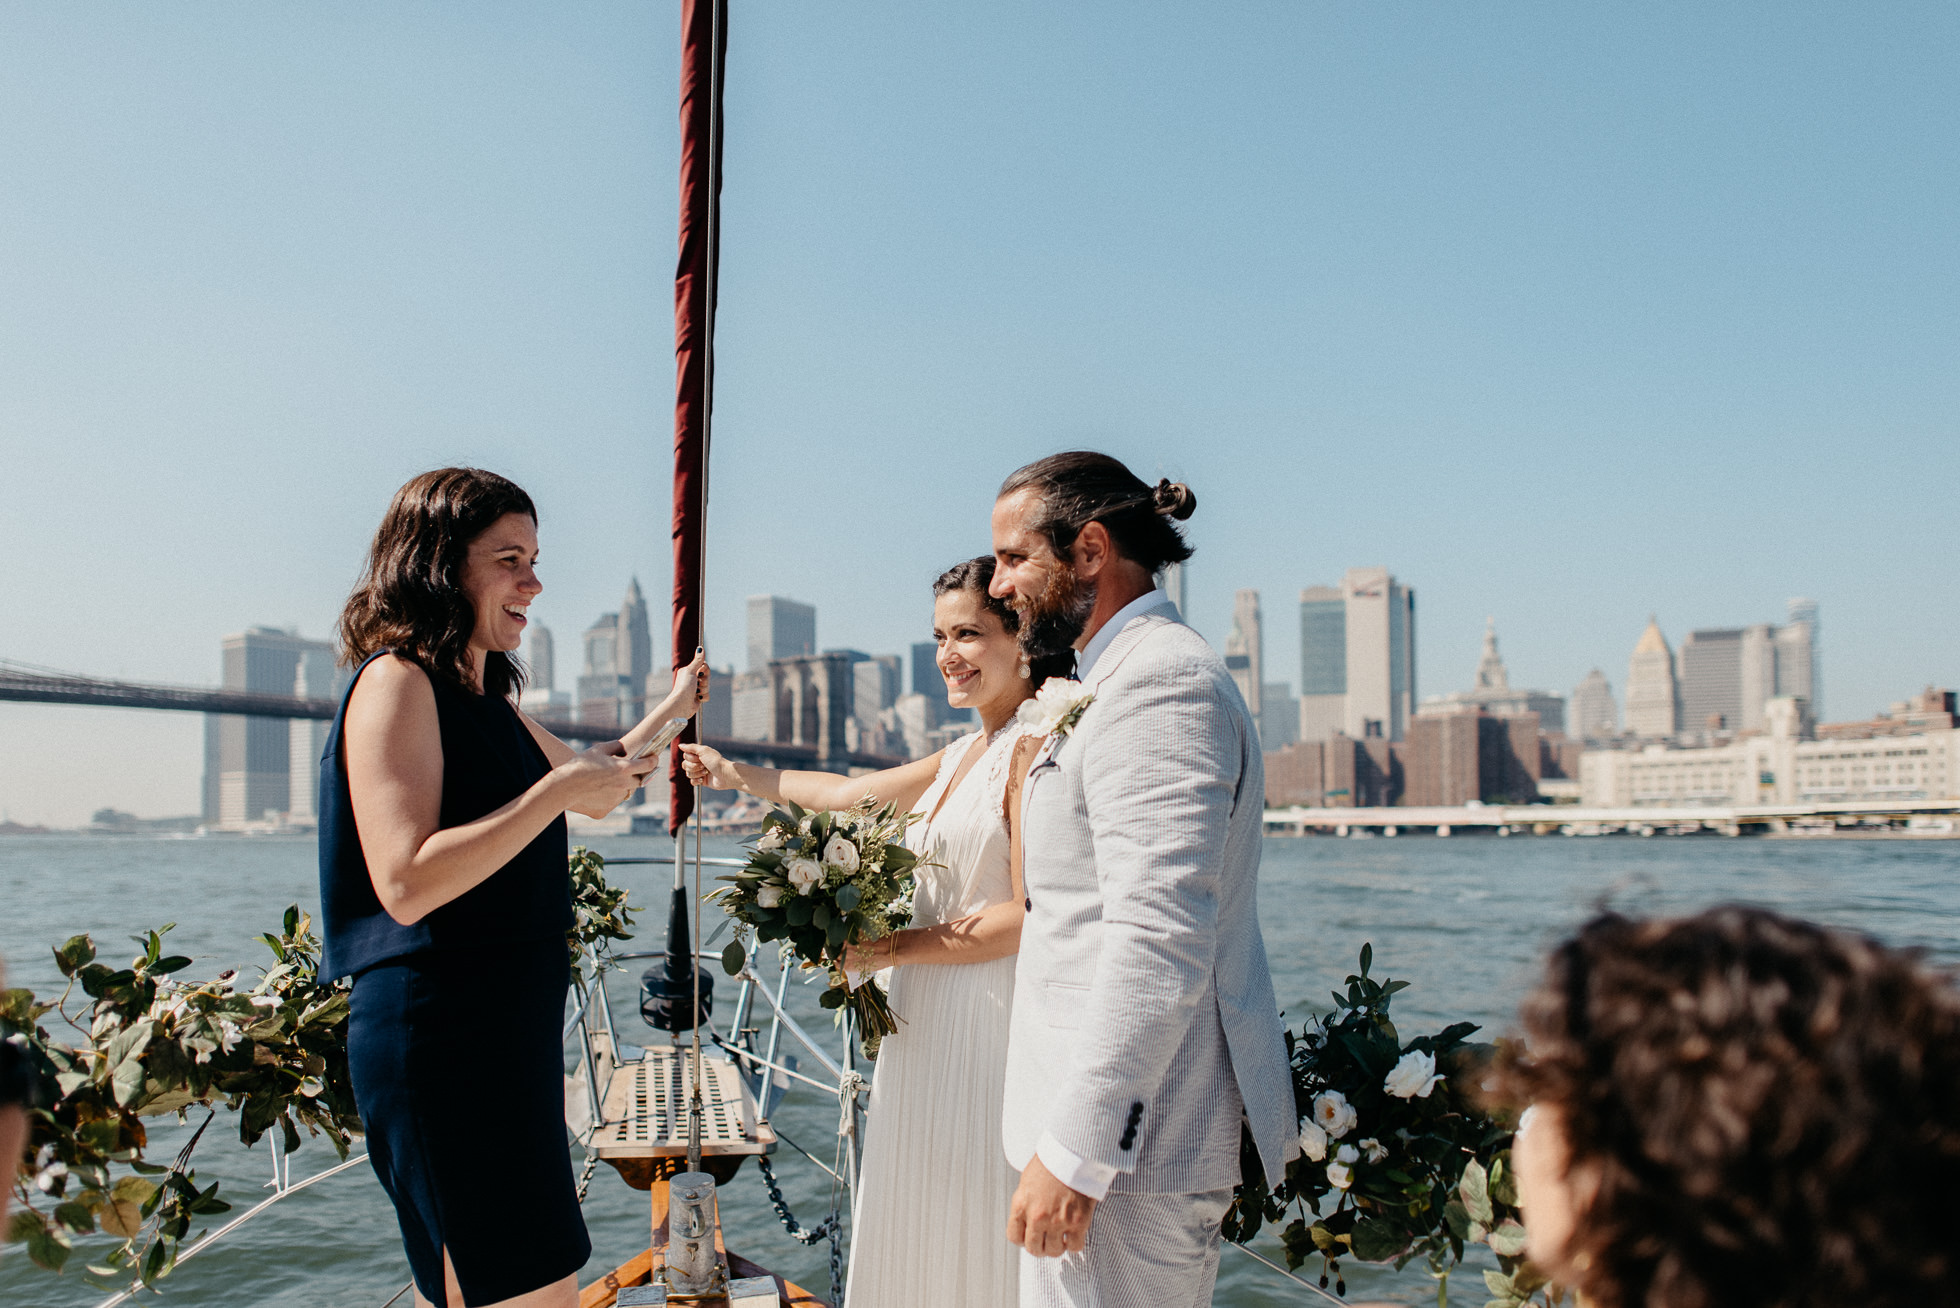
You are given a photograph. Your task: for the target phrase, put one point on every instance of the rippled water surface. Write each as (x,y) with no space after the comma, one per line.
(1464,919)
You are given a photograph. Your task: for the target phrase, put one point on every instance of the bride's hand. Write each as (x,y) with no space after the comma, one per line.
(706,767)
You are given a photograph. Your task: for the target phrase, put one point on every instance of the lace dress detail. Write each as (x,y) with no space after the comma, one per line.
(931,1219)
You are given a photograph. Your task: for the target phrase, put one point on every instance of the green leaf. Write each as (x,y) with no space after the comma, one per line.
(49,1247)
(1377,1241)
(1323,1239)
(174,963)
(849,897)
(799,911)
(1367,957)
(75,952)
(1507,1239)
(833,998)
(820,916)
(1457,1218)
(834,933)
(1475,1189)
(1503,1185)
(733,958)
(23,1224)
(75,1216)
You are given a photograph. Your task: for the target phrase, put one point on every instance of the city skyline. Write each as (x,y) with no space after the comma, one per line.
(1572,314)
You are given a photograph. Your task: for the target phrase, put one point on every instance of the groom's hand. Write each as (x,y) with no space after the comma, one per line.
(1047,1218)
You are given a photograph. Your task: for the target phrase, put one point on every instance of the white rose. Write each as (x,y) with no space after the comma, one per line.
(769,895)
(841,853)
(1375,1150)
(805,874)
(772,839)
(1414,1076)
(1052,704)
(1347,1154)
(1340,1175)
(1334,1114)
(1313,1142)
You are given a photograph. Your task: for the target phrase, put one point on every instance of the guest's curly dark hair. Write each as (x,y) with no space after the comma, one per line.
(1771,1109)
(410,596)
(973,577)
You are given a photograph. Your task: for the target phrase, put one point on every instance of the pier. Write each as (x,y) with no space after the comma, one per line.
(1911,818)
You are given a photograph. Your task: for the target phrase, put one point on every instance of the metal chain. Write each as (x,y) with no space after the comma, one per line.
(824,1230)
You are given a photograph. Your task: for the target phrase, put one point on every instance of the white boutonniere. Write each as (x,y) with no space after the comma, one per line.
(1056,707)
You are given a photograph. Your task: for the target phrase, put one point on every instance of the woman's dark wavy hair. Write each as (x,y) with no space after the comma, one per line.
(1079,487)
(973,577)
(410,597)
(1772,1108)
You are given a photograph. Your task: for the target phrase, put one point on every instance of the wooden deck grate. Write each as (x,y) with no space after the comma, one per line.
(645,1109)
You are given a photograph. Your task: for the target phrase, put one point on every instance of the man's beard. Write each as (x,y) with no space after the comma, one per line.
(1054,620)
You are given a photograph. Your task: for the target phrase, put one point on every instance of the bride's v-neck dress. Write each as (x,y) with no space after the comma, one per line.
(930,1226)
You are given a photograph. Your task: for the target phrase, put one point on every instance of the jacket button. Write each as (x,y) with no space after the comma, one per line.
(1028,903)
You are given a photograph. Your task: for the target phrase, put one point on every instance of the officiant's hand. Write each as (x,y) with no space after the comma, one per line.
(1047,1218)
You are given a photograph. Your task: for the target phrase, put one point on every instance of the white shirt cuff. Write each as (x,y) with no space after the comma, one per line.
(1079,1174)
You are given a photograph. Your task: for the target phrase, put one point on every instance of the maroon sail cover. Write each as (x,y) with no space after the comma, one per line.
(704,24)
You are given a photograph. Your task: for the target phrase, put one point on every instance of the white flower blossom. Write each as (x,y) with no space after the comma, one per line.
(805,874)
(772,839)
(1375,1149)
(1055,707)
(841,854)
(1334,1113)
(44,1180)
(1414,1076)
(769,895)
(266,1001)
(1340,1175)
(1313,1142)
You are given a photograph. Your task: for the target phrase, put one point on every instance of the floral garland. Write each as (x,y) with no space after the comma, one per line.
(1397,1159)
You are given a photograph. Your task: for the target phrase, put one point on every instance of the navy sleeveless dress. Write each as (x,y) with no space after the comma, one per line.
(455,1039)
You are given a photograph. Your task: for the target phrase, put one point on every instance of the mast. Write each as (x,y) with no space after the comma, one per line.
(703,64)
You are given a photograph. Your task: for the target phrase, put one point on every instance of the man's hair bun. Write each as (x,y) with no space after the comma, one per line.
(1174,499)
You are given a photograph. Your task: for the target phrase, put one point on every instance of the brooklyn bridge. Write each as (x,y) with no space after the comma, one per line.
(25,683)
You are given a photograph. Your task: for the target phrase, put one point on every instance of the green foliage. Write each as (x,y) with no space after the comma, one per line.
(147,1043)
(1409,1166)
(150,1044)
(600,909)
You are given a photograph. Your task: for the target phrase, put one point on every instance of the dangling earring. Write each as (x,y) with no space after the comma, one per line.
(1027,673)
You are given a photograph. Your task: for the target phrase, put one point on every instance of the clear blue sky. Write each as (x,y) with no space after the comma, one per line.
(1565,313)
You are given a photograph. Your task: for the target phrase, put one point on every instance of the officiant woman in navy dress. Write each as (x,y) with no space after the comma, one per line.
(445,894)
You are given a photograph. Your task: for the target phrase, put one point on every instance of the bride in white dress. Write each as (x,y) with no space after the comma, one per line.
(930,1226)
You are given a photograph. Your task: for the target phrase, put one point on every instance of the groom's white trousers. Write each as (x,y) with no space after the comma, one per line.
(1145,1251)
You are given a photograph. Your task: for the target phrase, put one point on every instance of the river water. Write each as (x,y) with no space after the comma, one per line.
(1464,919)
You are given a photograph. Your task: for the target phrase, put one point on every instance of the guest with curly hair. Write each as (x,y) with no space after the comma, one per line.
(1739,1109)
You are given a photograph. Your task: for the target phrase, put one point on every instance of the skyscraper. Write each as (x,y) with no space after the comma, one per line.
(635,653)
(1279,716)
(596,698)
(1653,693)
(1357,657)
(779,629)
(1594,714)
(1727,675)
(542,654)
(1245,649)
(927,680)
(248,762)
(316,677)
(1799,657)
(1493,692)
(879,683)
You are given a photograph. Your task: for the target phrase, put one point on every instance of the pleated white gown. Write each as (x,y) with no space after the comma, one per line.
(930,1227)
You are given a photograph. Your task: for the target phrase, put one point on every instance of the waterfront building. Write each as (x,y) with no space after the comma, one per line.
(1339,772)
(1726,676)
(249,762)
(541,697)
(1653,693)
(1279,715)
(1492,691)
(878,682)
(1594,714)
(1459,752)
(1357,657)
(636,658)
(596,694)
(1245,649)
(927,680)
(316,676)
(752,706)
(1799,656)
(1914,753)
(717,717)
(779,629)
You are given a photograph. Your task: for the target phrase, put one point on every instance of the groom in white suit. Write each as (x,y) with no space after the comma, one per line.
(1145,1038)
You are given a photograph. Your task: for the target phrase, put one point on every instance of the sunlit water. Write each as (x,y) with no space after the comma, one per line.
(1464,919)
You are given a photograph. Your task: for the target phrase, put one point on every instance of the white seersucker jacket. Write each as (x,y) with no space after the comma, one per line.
(1144,1021)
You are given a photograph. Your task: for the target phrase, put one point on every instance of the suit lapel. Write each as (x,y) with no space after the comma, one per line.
(1133,634)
